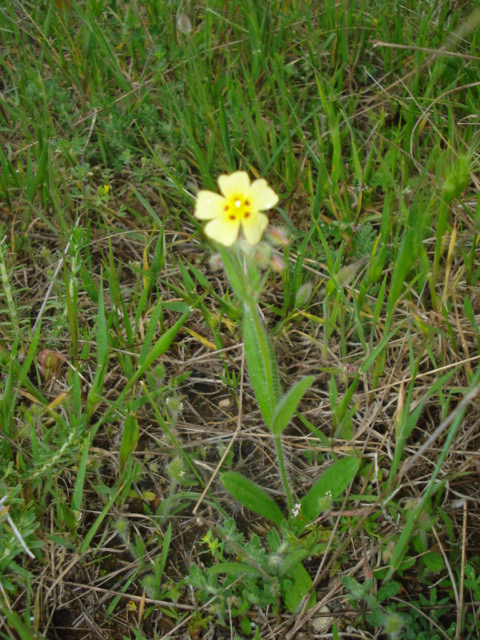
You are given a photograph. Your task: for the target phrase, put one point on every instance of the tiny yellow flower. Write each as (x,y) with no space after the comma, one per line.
(240,206)
(131,606)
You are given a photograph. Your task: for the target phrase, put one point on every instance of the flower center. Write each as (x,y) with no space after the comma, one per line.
(237,208)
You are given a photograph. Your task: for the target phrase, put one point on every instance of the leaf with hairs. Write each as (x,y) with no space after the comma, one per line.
(252,496)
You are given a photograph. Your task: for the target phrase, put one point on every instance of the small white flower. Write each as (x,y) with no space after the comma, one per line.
(296,509)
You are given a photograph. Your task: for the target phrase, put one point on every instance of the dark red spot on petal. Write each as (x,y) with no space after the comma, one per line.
(246,214)
(231,217)
(225,208)
(247,203)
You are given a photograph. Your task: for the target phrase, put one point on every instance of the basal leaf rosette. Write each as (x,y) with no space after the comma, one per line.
(239,206)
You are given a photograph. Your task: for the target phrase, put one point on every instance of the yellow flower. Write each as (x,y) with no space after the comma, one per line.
(240,206)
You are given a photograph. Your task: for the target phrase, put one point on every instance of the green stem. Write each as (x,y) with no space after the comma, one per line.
(260,359)
(283,471)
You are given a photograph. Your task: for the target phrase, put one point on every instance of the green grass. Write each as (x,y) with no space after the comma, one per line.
(121,365)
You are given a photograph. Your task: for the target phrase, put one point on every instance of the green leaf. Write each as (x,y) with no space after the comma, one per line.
(80,481)
(357,589)
(148,207)
(102,340)
(160,346)
(17,624)
(296,587)
(129,441)
(100,518)
(29,357)
(389,590)
(289,403)
(149,336)
(89,284)
(334,480)
(161,562)
(180,307)
(252,496)
(187,280)
(367,363)
(199,276)
(261,364)
(292,560)
(434,561)
(94,395)
(246,626)
(42,168)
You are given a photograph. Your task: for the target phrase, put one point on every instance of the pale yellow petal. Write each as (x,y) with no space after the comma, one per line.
(208,205)
(223,230)
(261,196)
(236,184)
(254,227)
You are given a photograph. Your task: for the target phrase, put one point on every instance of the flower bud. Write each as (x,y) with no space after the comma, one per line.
(303,295)
(279,236)
(216,263)
(277,263)
(184,24)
